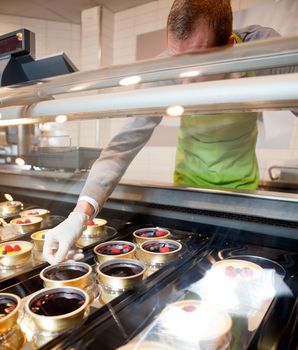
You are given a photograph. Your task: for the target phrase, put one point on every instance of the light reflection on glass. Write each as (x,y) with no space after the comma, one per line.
(189,74)
(8,197)
(20,161)
(62,118)
(135,79)
(175,111)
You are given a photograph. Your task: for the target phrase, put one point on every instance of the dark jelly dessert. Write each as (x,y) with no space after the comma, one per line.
(114,249)
(152,233)
(56,304)
(160,247)
(7,305)
(121,270)
(62,273)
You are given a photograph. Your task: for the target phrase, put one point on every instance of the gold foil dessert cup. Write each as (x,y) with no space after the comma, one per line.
(159,252)
(15,253)
(28,224)
(14,339)
(38,239)
(120,274)
(95,228)
(10,208)
(74,274)
(190,324)
(42,213)
(9,309)
(83,242)
(114,250)
(57,309)
(150,233)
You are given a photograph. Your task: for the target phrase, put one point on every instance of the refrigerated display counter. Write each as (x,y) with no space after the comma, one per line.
(217,268)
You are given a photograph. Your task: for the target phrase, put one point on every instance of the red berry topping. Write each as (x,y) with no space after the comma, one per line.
(33,213)
(115,251)
(127,247)
(91,223)
(27,221)
(246,272)
(164,249)
(16,248)
(160,233)
(8,248)
(230,271)
(19,222)
(189,308)
(144,235)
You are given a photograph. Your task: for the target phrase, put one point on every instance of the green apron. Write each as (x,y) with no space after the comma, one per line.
(217,151)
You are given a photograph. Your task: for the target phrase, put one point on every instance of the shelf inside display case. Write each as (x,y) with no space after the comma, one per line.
(138,316)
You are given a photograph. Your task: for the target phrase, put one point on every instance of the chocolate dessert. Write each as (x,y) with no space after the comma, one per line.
(62,273)
(160,247)
(114,249)
(152,233)
(121,270)
(56,304)
(7,305)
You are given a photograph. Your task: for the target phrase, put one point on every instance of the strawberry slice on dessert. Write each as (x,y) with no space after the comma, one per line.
(160,233)
(164,249)
(230,271)
(16,248)
(8,248)
(115,251)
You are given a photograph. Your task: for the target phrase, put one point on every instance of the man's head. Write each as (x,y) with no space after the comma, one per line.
(199,24)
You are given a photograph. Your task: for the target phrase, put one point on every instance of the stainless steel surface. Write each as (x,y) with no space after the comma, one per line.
(233,95)
(243,57)
(286,173)
(25,135)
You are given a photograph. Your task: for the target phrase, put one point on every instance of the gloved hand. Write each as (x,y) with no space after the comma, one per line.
(60,240)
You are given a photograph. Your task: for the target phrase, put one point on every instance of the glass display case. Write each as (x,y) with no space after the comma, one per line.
(164,267)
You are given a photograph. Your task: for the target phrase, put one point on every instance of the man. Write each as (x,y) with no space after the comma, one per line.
(213,151)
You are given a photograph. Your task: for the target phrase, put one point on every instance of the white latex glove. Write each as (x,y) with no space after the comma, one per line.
(59,241)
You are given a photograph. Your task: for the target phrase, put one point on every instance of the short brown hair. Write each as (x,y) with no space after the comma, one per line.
(186,14)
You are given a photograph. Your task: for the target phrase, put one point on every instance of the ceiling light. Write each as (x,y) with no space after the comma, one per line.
(175,111)
(135,79)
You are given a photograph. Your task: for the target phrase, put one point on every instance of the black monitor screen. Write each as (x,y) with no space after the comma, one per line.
(11,44)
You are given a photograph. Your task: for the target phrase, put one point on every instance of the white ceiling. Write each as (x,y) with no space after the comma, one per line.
(61,10)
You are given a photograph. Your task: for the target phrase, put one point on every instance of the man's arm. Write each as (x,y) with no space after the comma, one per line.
(108,169)
(103,178)
(257,32)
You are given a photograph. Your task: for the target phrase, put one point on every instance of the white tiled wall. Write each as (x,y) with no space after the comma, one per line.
(51,37)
